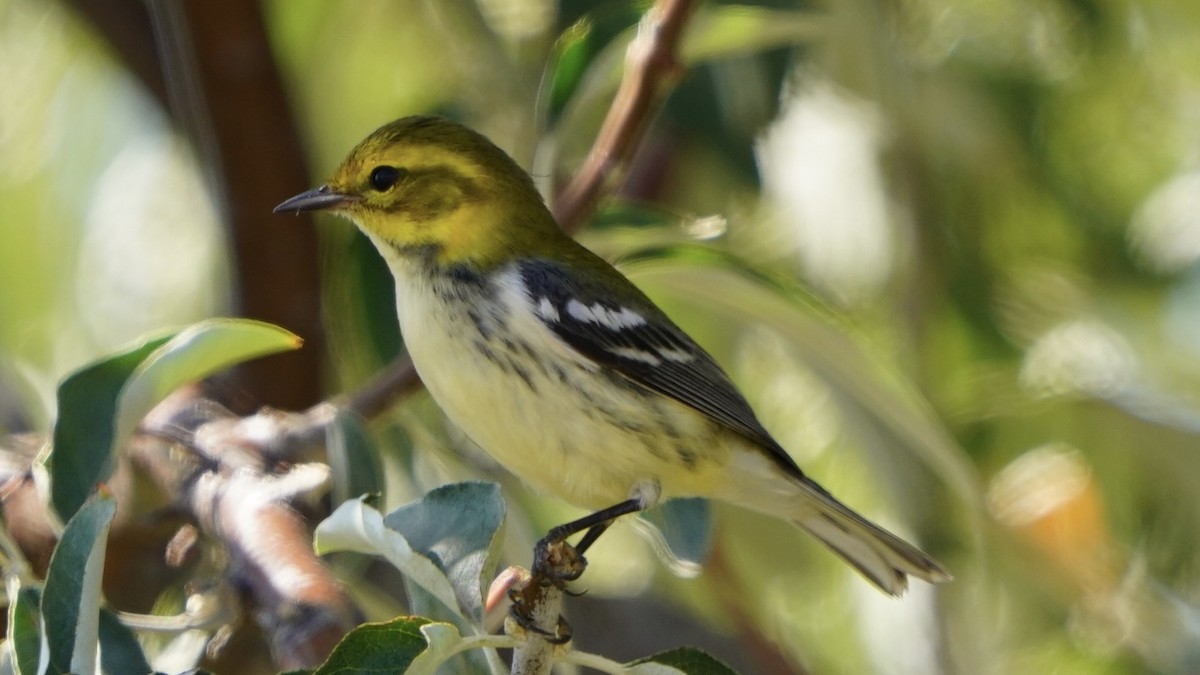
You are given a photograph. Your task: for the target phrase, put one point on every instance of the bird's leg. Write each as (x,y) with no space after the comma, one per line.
(556,561)
(591,536)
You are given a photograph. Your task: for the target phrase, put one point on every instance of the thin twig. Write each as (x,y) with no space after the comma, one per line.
(534,655)
(397,380)
(651,64)
(535,619)
(238,493)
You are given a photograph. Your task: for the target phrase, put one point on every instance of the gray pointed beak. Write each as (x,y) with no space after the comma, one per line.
(316,199)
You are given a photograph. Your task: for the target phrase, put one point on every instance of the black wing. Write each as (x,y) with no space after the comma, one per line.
(631,336)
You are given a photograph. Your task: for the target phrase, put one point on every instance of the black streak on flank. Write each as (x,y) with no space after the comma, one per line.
(487,351)
(560,373)
(521,350)
(467,279)
(473,315)
(504,361)
(687,456)
(522,373)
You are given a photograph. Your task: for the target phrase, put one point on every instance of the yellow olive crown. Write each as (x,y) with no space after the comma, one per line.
(428,183)
(409,149)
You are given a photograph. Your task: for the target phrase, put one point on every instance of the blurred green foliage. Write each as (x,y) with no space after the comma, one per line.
(970,301)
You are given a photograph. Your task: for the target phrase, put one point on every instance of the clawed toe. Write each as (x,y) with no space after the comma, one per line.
(561,634)
(557,562)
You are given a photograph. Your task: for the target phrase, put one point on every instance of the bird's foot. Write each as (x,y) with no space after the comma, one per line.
(535,606)
(557,562)
(522,614)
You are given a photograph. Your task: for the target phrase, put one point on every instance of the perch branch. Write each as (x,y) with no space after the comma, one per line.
(536,616)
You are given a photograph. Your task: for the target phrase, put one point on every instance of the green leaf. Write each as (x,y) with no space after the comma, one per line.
(714,32)
(353,459)
(444,641)
(375,648)
(687,660)
(442,544)
(191,355)
(355,526)
(455,526)
(574,52)
(101,404)
(617,212)
(24,629)
(681,531)
(568,62)
(725,31)
(81,456)
(71,598)
(120,651)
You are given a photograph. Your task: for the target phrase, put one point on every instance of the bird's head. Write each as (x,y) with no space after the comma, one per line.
(428,185)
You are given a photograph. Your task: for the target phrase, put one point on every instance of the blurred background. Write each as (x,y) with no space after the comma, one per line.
(948,250)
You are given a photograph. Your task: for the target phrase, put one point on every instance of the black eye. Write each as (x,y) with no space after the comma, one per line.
(384,177)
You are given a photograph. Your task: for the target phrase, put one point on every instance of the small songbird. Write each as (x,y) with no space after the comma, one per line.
(554,363)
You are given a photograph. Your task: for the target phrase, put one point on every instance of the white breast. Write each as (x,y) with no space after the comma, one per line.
(527,412)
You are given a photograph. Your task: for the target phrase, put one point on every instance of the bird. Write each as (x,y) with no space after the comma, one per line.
(555,364)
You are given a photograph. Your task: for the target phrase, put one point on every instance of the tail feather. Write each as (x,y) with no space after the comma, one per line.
(883,558)
(754,480)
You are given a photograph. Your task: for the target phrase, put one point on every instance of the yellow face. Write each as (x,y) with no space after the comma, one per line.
(416,196)
(428,184)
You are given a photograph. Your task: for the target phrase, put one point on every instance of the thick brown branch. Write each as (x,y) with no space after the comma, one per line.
(210,64)
(239,119)
(239,493)
(396,381)
(535,618)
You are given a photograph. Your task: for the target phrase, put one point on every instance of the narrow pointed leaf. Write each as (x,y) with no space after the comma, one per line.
(24,630)
(71,598)
(81,457)
(573,56)
(192,354)
(568,61)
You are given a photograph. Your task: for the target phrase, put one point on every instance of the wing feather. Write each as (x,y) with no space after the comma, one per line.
(632,337)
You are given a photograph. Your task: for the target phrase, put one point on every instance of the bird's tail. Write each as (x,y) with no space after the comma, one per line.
(883,558)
